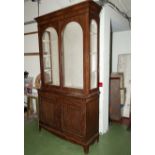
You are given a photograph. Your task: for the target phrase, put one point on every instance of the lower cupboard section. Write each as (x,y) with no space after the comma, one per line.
(74,119)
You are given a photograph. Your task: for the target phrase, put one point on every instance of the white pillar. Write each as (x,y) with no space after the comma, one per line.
(104,71)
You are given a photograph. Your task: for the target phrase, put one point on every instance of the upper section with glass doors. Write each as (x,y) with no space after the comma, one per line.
(69,43)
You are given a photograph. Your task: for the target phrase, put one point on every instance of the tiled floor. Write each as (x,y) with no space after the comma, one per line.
(116,141)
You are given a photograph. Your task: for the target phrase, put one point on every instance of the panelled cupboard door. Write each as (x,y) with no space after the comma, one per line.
(73,119)
(49,112)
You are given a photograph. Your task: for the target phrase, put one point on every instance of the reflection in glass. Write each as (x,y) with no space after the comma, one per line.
(50,56)
(93,54)
(73,55)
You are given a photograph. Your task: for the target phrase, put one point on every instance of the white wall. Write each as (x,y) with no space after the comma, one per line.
(31,43)
(107,16)
(32,65)
(45,6)
(30,10)
(121,44)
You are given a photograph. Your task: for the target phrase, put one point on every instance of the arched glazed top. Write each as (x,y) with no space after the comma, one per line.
(72,38)
(50,56)
(93,54)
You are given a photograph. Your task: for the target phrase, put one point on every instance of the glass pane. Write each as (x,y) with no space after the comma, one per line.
(73,56)
(93,54)
(51,57)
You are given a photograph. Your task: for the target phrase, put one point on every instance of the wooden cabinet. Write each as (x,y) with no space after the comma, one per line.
(117,96)
(115,100)
(69,60)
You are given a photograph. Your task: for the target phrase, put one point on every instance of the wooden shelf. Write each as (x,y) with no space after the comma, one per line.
(31,54)
(29,33)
